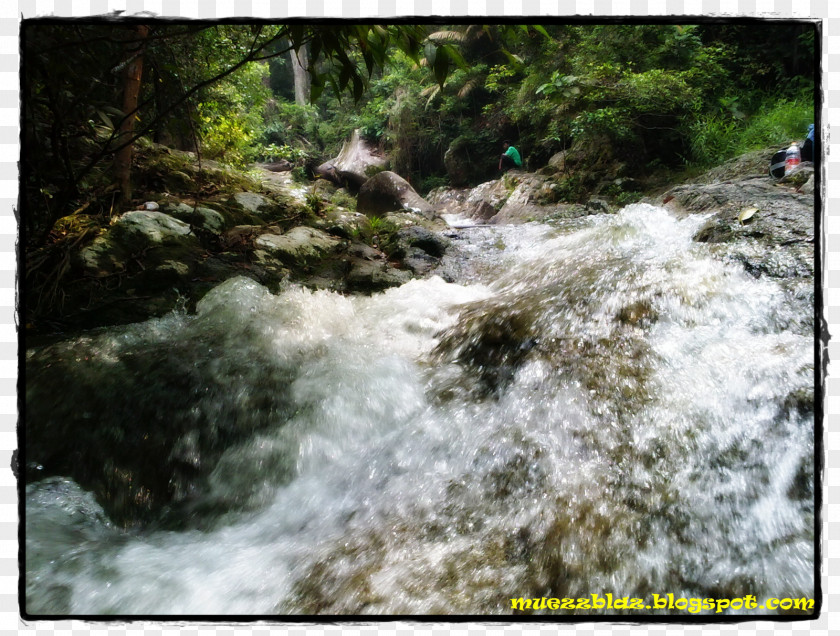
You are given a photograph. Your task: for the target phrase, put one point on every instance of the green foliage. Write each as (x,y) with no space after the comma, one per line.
(290,124)
(559,86)
(498,76)
(613,92)
(612,123)
(572,189)
(431,182)
(344,199)
(299,174)
(231,116)
(273,152)
(721,136)
(314,203)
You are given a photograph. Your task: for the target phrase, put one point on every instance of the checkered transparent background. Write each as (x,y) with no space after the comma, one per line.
(10,14)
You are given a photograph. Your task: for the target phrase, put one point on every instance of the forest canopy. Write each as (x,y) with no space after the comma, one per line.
(649,96)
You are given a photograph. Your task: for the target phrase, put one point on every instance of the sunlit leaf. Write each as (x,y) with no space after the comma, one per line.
(443,37)
(746,213)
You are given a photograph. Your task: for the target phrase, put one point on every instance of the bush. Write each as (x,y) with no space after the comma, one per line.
(718,137)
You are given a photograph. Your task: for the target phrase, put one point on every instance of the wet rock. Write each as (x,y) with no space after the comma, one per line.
(388,192)
(419,261)
(492,344)
(776,240)
(197,216)
(145,456)
(299,245)
(639,313)
(421,238)
(372,276)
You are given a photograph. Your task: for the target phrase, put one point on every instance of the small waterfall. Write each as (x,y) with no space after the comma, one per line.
(601,407)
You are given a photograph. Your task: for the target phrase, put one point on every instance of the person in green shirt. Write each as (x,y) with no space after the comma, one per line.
(510,157)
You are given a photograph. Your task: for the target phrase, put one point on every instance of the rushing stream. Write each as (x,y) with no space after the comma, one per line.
(600,407)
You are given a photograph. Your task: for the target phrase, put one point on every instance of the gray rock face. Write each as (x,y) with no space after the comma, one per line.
(150,227)
(252,202)
(388,192)
(200,217)
(299,245)
(448,200)
(488,195)
(133,232)
(516,198)
(421,238)
(354,163)
(776,240)
(372,276)
(522,204)
(527,203)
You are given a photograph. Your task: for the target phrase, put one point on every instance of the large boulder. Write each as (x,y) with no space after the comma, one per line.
(300,245)
(448,200)
(253,202)
(355,163)
(388,192)
(368,276)
(531,200)
(417,248)
(479,203)
(486,199)
(197,216)
(160,237)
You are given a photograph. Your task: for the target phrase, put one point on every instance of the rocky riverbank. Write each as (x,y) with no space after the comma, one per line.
(268,227)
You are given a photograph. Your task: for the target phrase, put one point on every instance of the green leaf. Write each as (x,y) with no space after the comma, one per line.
(105,119)
(431,53)
(541,30)
(358,88)
(456,57)
(344,77)
(441,65)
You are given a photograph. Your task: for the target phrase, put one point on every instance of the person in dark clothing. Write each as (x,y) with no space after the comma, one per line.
(510,157)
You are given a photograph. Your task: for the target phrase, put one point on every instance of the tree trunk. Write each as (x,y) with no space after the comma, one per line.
(132,74)
(303,83)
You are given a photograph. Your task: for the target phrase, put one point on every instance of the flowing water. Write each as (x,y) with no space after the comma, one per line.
(599,407)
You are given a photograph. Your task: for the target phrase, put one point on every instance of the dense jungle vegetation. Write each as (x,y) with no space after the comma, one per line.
(626,99)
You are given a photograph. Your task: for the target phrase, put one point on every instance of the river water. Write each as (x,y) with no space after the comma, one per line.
(602,406)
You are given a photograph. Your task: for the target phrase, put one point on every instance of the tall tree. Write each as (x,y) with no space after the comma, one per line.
(132,75)
(300,68)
